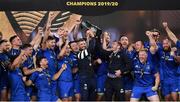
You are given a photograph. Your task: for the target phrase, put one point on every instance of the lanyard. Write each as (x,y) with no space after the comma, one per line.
(47,76)
(143,67)
(111,56)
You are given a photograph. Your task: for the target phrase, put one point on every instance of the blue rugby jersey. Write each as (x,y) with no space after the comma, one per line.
(74,58)
(4,65)
(17,85)
(66,75)
(51,56)
(13,53)
(144,73)
(168,65)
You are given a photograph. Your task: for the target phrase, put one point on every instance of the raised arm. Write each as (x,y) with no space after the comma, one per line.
(46,34)
(76,30)
(52,15)
(38,39)
(171,35)
(153,45)
(104,44)
(33,42)
(104,48)
(63,50)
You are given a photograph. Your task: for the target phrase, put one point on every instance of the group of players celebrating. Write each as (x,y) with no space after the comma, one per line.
(52,68)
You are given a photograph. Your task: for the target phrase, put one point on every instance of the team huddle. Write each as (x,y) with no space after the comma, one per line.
(53,68)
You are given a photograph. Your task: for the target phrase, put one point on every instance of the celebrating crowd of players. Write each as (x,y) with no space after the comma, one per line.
(52,68)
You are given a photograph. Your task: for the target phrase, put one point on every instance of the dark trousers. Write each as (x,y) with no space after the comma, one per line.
(114,87)
(88,89)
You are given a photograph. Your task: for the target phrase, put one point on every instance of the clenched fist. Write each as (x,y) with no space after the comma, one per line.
(99,61)
(154,88)
(165,24)
(64,66)
(148,33)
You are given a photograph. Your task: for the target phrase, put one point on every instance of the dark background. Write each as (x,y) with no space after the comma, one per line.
(135,23)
